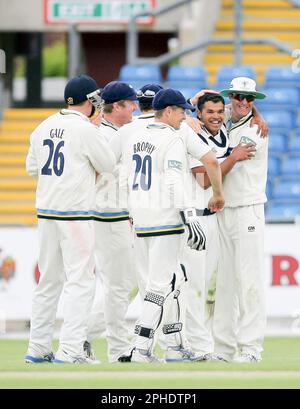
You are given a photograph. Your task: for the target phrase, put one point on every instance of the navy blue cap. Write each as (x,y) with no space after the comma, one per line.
(118,91)
(170,97)
(147,92)
(77,89)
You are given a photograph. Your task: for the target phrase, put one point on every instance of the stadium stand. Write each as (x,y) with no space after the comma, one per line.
(188,92)
(226,73)
(282,211)
(17,189)
(139,75)
(291,166)
(280,98)
(275,19)
(273,166)
(282,77)
(277,144)
(298,124)
(142,74)
(280,121)
(181,77)
(263,62)
(286,189)
(294,145)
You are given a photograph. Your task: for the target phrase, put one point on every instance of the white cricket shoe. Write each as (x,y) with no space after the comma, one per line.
(180,354)
(63,358)
(247,358)
(142,356)
(202,357)
(31,358)
(214,357)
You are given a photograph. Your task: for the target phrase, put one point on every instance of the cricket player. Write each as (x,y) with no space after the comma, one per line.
(155,160)
(65,153)
(96,324)
(118,142)
(239,321)
(145,98)
(114,239)
(202,266)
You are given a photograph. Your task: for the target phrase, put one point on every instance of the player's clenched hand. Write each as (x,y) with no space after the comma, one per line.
(216,203)
(243,152)
(191,219)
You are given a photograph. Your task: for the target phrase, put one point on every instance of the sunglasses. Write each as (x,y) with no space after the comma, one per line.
(147,94)
(240,97)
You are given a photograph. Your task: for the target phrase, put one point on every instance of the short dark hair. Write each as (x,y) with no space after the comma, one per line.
(209,96)
(145,106)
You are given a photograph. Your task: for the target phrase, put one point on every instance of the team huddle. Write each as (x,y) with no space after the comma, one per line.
(167,203)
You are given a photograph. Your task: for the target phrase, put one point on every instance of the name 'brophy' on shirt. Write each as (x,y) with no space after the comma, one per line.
(143,147)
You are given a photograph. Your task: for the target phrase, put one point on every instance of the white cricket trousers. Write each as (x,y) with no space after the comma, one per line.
(161,257)
(114,253)
(96,321)
(201,267)
(240,319)
(66,262)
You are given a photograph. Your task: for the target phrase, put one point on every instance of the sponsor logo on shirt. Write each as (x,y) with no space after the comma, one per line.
(174,164)
(246,140)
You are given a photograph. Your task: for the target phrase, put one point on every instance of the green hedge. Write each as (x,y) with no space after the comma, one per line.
(55,60)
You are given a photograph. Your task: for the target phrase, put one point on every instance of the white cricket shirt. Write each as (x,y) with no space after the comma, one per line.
(65,150)
(245,184)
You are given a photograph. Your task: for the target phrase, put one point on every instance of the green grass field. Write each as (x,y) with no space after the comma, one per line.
(280,368)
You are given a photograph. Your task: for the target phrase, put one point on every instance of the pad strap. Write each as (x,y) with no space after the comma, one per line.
(155,298)
(144,332)
(172,328)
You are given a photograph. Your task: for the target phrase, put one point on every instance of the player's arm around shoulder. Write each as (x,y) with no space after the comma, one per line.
(97,150)
(194,145)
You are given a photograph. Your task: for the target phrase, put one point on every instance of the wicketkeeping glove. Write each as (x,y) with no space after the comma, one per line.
(191,219)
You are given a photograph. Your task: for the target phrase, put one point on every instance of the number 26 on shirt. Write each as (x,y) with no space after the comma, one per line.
(56,159)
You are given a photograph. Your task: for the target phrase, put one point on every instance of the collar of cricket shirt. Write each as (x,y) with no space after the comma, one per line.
(146,116)
(65,111)
(233,125)
(160,125)
(220,139)
(106,122)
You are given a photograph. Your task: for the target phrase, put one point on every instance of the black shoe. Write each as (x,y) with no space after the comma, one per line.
(125,358)
(89,353)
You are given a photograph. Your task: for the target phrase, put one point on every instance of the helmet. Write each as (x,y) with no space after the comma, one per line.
(147,93)
(78,89)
